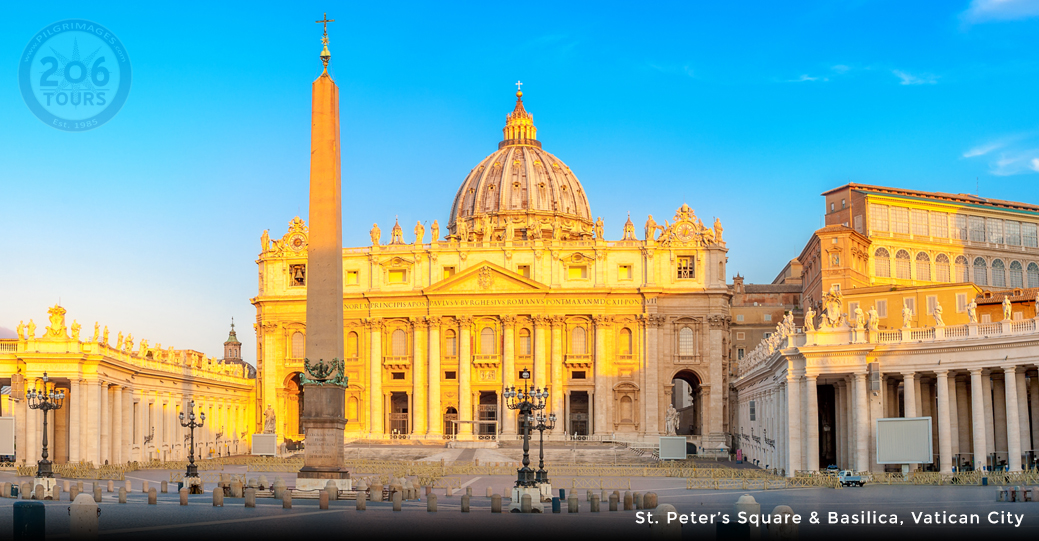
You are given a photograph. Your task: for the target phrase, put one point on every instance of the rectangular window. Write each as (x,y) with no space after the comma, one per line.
(1029,235)
(768,317)
(858,223)
(939,224)
(685,267)
(851,308)
(397,375)
(351,278)
(961,302)
(959,229)
(398,276)
(739,354)
(578,272)
(1019,316)
(739,317)
(976,225)
(523,270)
(578,374)
(900,220)
(920,223)
(449,272)
(766,335)
(624,272)
(297,275)
(450,374)
(995,230)
(741,336)
(882,308)
(1013,233)
(911,303)
(932,301)
(753,411)
(986,318)
(878,217)
(525,343)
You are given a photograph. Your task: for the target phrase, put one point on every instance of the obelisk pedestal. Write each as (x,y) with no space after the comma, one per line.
(323,380)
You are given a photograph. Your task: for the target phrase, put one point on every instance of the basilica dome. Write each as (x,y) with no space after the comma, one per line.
(520,191)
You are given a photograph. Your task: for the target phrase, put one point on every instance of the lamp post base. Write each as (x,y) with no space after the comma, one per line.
(47,482)
(535,499)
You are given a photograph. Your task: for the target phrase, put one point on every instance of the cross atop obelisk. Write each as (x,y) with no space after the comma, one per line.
(325,54)
(324,23)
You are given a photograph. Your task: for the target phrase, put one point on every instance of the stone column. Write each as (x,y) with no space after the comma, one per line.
(1013,420)
(990,431)
(1033,384)
(962,410)
(812,422)
(838,427)
(558,374)
(128,432)
(954,417)
(649,362)
(781,426)
(465,364)
(506,416)
(794,424)
(116,403)
(435,426)
(602,383)
(978,415)
(862,424)
(75,405)
(909,394)
(375,417)
(106,426)
(540,347)
(945,435)
(418,379)
(1022,413)
(999,414)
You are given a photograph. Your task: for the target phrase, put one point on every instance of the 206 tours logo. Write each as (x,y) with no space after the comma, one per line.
(74,75)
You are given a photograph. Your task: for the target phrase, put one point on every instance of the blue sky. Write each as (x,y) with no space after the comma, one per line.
(745,111)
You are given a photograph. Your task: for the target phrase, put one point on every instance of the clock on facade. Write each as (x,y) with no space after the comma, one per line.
(297,242)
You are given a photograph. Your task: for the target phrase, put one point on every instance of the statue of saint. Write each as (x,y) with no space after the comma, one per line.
(269,422)
(938,321)
(265,241)
(717,230)
(907,315)
(533,229)
(809,319)
(972,311)
(651,228)
(106,335)
(462,228)
(75,330)
(874,318)
(860,318)
(32,331)
(376,234)
(671,420)
(97,332)
(435,230)
(420,233)
(119,341)
(20,330)
(1037,304)
(510,230)
(1007,307)
(600,229)
(129,342)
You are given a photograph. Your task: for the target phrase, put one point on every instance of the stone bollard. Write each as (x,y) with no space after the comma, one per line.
(595,503)
(286,500)
(25,491)
(465,503)
(218,498)
(629,503)
(429,490)
(613,501)
(263,482)
(163,486)
(65,485)
(184,496)
(469,491)
(332,489)
(747,504)
(122,494)
(153,498)
(572,504)
(111,486)
(525,504)
(784,530)
(83,515)
(5,490)
(496,503)
(250,497)
(56,493)
(279,488)
(79,485)
(431,503)
(489,492)
(73,492)
(664,529)
(362,501)
(322,500)
(144,486)
(30,520)
(376,493)
(638,500)
(588,495)
(39,493)
(649,501)
(397,497)
(128,485)
(97,493)
(450,491)
(604,497)
(236,489)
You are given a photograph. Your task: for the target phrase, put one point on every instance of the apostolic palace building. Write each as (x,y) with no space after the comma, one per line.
(438,321)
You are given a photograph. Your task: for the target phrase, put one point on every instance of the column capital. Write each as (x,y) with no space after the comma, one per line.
(540,320)
(602,320)
(373,323)
(1009,370)
(909,374)
(977,371)
(432,321)
(465,322)
(508,321)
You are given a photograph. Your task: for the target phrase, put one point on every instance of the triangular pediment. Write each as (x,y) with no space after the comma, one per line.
(486,277)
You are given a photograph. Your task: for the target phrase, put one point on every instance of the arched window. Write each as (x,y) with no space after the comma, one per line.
(299,345)
(1016,274)
(524,342)
(1033,275)
(999,273)
(487,341)
(351,345)
(399,343)
(902,265)
(962,273)
(686,343)
(450,343)
(941,268)
(882,260)
(578,341)
(923,267)
(980,271)
(625,341)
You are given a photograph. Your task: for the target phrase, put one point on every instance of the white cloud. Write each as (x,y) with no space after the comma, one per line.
(910,79)
(1000,10)
(807,79)
(983,149)
(840,68)
(1035,165)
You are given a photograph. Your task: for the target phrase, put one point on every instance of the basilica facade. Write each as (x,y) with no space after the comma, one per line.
(520,277)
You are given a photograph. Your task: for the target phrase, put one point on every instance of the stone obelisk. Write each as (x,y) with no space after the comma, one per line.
(323,417)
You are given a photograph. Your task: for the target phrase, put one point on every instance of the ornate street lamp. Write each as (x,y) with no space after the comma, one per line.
(192,425)
(543,424)
(45,400)
(527,401)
